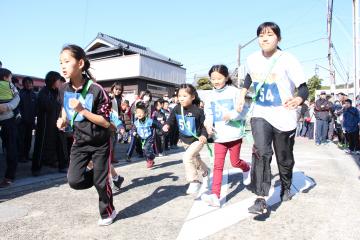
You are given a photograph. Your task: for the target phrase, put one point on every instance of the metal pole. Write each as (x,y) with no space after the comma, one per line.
(329,25)
(238,59)
(238,66)
(356,59)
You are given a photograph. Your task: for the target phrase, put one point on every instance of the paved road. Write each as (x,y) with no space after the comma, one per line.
(153,204)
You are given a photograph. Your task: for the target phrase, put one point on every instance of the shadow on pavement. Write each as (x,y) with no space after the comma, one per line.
(18,191)
(233,180)
(166,164)
(161,195)
(138,182)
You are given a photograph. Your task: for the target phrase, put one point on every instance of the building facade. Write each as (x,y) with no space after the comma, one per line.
(138,68)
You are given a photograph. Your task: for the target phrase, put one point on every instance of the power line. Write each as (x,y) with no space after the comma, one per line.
(313,59)
(305,43)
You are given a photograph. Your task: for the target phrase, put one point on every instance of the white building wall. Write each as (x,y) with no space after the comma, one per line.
(116,67)
(131,66)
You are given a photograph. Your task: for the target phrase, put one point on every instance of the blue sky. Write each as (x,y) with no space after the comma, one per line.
(197,33)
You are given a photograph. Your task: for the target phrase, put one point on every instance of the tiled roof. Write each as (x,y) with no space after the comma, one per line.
(132,47)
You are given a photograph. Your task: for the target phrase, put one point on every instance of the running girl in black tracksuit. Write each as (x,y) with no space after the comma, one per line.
(86,107)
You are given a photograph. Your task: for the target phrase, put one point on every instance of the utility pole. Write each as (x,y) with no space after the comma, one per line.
(329,25)
(238,58)
(356,59)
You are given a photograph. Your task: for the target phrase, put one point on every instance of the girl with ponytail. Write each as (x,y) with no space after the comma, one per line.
(86,108)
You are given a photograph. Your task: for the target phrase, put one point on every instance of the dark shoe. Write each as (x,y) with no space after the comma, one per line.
(5,183)
(150,163)
(117,183)
(128,159)
(259,207)
(285,195)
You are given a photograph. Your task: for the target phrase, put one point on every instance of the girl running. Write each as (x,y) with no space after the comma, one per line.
(190,118)
(87,107)
(275,75)
(224,123)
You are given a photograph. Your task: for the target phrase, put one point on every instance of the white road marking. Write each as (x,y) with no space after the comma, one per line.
(204,220)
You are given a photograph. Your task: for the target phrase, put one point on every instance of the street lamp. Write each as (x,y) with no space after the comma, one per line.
(238,59)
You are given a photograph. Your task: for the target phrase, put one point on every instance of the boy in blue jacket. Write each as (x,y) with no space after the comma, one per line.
(351,121)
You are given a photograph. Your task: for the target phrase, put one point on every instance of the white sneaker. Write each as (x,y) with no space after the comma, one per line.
(347,151)
(211,199)
(247,177)
(107,221)
(194,187)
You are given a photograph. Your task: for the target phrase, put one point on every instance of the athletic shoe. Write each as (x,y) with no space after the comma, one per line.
(118,182)
(317,144)
(161,155)
(211,199)
(107,221)
(247,178)
(194,187)
(285,195)
(128,159)
(150,163)
(259,207)
(347,151)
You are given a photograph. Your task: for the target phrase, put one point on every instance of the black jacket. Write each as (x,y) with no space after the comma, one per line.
(194,117)
(322,109)
(27,106)
(86,132)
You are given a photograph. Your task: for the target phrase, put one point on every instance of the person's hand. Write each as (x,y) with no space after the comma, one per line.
(122,130)
(76,105)
(293,103)
(210,130)
(241,103)
(226,117)
(60,123)
(202,139)
(162,122)
(165,128)
(3,108)
(134,134)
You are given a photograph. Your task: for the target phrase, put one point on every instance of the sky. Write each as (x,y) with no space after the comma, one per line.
(197,33)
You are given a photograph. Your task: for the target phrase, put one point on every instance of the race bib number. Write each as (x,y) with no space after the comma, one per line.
(220,107)
(144,132)
(86,103)
(268,95)
(187,127)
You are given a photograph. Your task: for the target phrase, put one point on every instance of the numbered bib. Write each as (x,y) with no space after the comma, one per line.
(190,125)
(144,130)
(220,107)
(268,95)
(87,103)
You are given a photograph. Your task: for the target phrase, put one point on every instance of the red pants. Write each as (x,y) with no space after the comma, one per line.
(220,153)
